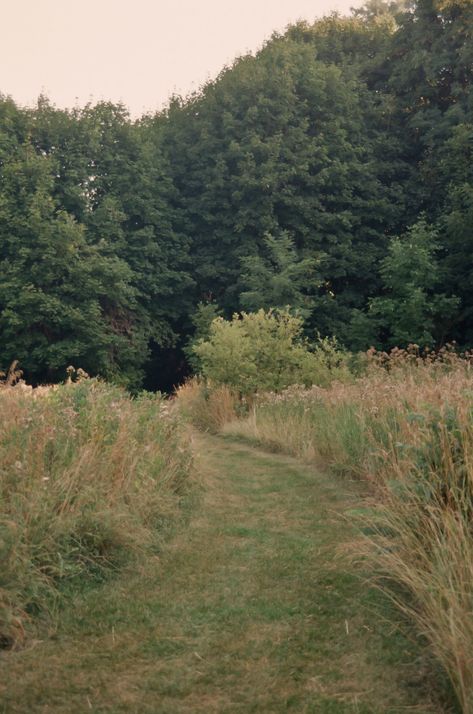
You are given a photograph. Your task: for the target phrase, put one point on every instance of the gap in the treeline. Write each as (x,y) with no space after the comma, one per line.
(166,369)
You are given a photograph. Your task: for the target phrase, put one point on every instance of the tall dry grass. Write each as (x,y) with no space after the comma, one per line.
(206,406)
(406,426)
(89,479)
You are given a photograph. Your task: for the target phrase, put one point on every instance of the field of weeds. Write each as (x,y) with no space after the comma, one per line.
(406,427)
(90,480)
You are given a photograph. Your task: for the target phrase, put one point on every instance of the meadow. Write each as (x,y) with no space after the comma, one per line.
(93,484)
(403,426)
(255,238)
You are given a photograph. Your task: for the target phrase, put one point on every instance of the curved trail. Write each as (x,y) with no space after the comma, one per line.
(247,610)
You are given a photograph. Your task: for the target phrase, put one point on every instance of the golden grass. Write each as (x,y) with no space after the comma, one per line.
(89,478)
(207,407)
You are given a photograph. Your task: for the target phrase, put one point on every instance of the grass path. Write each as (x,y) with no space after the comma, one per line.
(247,610)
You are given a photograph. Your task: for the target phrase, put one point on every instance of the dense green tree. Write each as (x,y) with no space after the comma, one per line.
(278,143)
(412,309)
(93,178)
(456,226)
(202,319)
(115,181)
(431,73)
(333,139)
(279,279)
(61,300)
(431,78)
(380,9)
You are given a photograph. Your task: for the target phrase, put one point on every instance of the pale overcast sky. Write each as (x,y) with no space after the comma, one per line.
(136,51)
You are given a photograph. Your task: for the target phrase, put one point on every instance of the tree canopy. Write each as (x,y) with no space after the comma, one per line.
(330,173)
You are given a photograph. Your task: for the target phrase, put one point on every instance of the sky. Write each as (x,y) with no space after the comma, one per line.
(139,52)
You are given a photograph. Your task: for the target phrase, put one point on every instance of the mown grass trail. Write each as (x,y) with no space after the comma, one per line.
(247,610)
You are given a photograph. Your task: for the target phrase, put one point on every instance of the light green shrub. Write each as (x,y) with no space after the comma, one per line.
(266,351)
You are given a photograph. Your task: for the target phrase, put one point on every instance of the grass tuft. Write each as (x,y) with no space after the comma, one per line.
(207,407)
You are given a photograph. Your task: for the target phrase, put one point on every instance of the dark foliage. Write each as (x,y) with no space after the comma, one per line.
(332,170)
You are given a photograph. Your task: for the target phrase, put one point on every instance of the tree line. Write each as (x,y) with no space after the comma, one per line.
(332,171)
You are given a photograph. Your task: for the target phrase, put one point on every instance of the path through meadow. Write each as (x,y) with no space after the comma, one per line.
(250,608)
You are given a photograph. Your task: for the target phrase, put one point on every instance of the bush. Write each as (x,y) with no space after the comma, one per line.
(89,479)
(266,351)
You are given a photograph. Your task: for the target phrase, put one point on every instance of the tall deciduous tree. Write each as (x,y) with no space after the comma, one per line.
(278,143)
(413,309)
(61,300)
(280,278)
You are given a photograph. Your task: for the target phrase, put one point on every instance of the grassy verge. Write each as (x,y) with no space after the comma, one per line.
(89,480)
